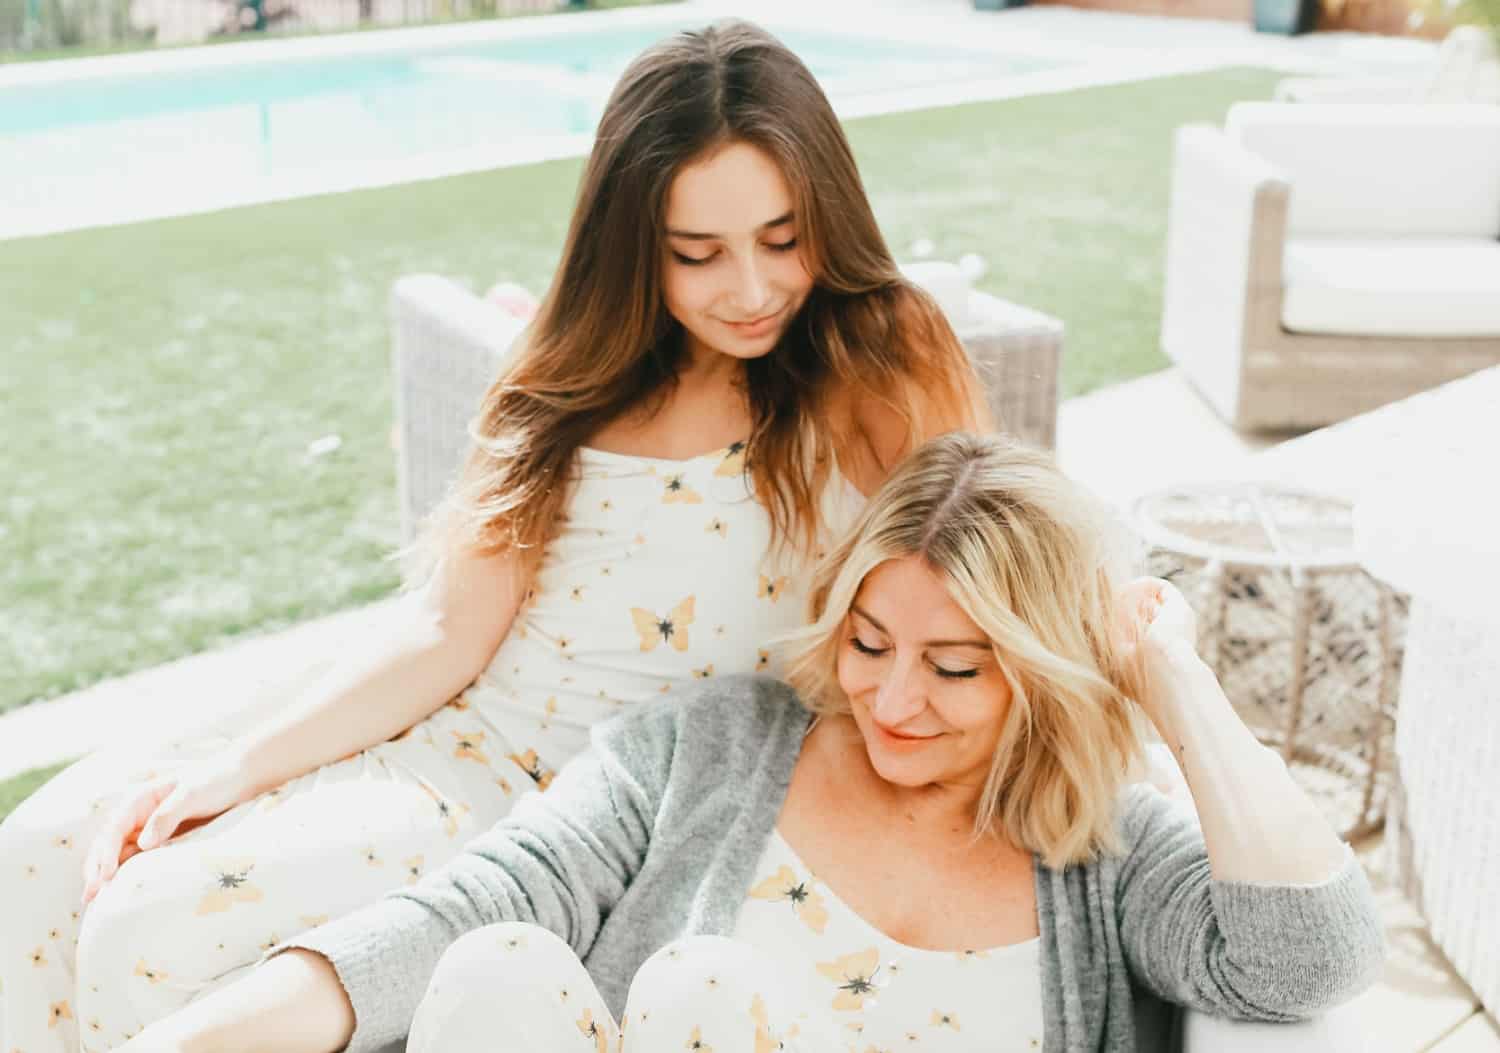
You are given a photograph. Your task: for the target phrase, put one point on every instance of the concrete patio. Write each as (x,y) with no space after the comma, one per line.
(1123,441)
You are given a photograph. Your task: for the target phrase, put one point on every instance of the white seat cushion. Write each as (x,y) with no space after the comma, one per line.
(1392,286)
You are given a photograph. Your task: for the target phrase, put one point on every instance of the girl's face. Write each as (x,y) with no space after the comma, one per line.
(733,273)
(926,692)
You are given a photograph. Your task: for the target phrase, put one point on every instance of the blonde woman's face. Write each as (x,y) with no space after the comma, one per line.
(923,684)
(733,273)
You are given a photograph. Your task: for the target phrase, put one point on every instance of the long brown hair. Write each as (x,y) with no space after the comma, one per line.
(603,343)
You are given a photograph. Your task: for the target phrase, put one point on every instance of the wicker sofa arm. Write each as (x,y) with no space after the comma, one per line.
(1226,229)
(447,347)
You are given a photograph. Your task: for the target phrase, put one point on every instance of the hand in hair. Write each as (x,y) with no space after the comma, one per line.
(1152,612)
(1152,620)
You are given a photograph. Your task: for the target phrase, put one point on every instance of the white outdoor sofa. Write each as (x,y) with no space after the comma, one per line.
(449,343)
(1324,259)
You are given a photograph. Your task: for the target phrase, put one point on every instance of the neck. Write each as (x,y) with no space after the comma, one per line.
(706,368)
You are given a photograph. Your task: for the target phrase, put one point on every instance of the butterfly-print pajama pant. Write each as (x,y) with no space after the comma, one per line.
(517,987)
(184,919)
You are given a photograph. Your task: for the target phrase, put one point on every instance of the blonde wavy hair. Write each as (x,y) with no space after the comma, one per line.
(1035,562)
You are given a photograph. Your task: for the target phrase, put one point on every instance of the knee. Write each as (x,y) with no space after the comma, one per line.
(685,972)
(499,957)
(41,871)
(131,944)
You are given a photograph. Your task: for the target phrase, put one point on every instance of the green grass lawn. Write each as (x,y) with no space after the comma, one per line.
(162,381)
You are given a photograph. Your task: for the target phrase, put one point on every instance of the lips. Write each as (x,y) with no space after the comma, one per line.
(902,737)
(755,324)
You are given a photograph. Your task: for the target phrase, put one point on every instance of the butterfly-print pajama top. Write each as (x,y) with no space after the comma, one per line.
(659,577)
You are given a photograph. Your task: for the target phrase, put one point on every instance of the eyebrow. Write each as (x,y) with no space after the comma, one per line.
(690,235)
(981,644)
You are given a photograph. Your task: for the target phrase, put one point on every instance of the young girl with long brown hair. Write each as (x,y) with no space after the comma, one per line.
(725,362)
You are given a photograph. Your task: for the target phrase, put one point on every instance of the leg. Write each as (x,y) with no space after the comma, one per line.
(42,848)
(714,993)
(185,919)
(507,988)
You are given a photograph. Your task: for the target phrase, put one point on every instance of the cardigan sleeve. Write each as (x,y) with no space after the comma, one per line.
(562,859)
(1238,949)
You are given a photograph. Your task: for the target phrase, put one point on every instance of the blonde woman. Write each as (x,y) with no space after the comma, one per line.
(726,361)
(929,844)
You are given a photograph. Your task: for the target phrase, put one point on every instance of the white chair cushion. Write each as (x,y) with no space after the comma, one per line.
(1419,168)
(1392,286)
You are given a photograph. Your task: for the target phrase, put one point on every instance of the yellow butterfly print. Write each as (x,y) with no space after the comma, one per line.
(594,1031)
(372,858)
(771,588)
(550,708)
(676,492)
(449,812)
(672,629)
(762,660)
(150,975)
(734,460)
(577,592)
(467,747)
(717,526)
(941,1019)
(766,1040)
(312,921)
(855,976)
(704,673)
(806,902)
(696,1044)
(39,957)
(59,1011)
(413,869)
(531,764)
(231,885)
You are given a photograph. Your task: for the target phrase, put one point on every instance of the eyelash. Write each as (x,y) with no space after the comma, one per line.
(946,674)
(689,261)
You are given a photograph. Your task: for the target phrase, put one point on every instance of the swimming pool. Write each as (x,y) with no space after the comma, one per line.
(118,145)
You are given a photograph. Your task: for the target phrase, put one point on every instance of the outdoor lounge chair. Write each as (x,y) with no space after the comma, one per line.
(1323,260)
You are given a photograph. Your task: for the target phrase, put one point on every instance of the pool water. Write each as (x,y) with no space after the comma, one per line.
(274,129)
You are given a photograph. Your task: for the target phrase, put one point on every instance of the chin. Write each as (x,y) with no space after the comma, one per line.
(901,771)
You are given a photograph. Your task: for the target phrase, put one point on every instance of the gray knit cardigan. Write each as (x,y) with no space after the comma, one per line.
(652,833)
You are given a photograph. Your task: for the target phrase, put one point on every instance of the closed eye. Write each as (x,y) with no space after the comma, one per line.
(862,648)
(698,261)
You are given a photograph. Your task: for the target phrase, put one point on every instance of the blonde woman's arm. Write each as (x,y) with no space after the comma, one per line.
(432,645)
(1258,824)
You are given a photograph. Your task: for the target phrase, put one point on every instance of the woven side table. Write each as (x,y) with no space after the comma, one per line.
(1305,642)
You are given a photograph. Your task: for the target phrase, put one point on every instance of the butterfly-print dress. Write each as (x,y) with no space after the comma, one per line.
(865,991)
(659,576)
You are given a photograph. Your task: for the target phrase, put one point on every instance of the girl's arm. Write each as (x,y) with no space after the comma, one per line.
(431,646)
(436,642)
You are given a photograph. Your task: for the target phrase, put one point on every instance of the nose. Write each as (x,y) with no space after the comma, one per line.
(752,290)
(899,696)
